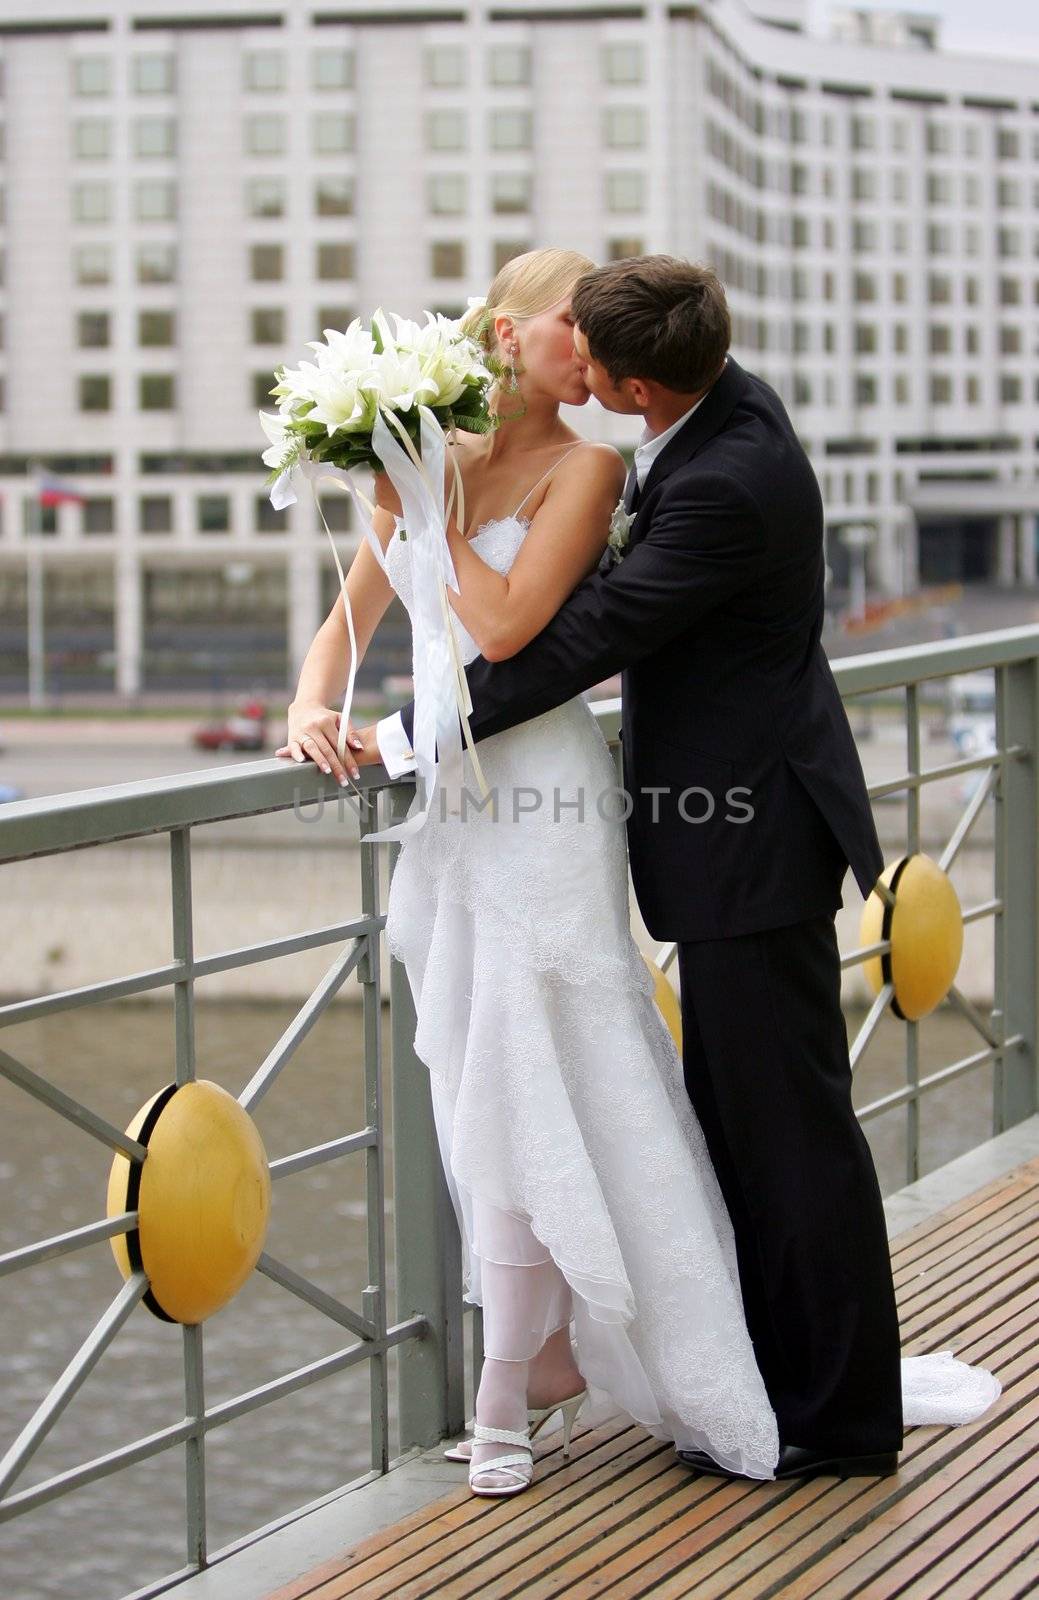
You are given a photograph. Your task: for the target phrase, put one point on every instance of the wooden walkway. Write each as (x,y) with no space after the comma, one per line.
(625,1518)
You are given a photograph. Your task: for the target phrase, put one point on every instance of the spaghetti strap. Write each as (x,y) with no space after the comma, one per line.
(548,474)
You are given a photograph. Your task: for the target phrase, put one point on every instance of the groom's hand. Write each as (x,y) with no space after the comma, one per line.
(368,753)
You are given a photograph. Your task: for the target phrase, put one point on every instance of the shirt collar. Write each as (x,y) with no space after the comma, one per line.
(651,444)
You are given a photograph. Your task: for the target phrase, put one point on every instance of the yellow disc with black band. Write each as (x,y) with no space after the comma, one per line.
(202,1198)
(925,928)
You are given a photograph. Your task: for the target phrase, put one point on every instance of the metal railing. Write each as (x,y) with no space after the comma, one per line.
(429,1333)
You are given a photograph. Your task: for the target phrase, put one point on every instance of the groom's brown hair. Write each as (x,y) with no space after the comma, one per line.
(655,317)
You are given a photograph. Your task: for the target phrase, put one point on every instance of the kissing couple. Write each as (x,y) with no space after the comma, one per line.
(697,1240)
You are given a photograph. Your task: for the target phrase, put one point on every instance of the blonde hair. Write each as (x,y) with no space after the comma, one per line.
(526,286)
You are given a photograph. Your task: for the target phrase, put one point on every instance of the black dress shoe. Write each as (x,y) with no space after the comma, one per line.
(795,1462)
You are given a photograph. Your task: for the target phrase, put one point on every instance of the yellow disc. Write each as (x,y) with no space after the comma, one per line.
(925,927)
(667,1003)
(203,1200)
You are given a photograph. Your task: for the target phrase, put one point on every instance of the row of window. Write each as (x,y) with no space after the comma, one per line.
(213,513)
(871,338)
(444,67)
(754,278)
(943,135)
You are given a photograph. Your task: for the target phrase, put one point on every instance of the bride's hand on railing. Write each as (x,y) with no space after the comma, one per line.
(313,734)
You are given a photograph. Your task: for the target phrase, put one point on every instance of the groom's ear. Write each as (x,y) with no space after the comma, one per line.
(640,391)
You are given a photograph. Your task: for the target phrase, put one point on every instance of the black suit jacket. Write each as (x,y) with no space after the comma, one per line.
(714,613)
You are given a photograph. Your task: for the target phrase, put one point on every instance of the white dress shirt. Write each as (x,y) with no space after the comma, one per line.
(397,755)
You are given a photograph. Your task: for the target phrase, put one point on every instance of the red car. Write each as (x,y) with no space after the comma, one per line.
(246,730)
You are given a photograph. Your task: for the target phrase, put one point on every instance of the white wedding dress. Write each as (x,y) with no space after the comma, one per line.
(578,1171)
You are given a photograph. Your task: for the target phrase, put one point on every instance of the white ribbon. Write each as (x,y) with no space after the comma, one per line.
(442,700)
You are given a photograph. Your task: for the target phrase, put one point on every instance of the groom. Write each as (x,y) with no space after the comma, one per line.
(748,805)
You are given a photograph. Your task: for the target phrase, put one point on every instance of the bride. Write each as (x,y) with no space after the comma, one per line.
(579,1173)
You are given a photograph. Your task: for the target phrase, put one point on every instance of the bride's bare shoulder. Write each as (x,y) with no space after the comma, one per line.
(595,462)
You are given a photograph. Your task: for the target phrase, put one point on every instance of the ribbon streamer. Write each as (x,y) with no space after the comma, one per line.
(442,699)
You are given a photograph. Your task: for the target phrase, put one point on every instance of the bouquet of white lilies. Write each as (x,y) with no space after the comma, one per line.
(387,399)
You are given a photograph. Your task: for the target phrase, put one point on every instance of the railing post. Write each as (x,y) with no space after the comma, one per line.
(1017,705)
(431,1389)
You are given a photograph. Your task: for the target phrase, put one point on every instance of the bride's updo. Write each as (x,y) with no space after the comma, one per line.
(526,286)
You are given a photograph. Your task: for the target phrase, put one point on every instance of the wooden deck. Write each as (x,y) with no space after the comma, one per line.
(625,1519)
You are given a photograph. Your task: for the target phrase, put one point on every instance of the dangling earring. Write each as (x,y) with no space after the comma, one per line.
(513,381)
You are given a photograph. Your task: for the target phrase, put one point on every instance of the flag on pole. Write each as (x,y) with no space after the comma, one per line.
(55,491)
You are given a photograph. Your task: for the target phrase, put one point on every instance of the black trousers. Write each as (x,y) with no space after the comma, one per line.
(767,1071)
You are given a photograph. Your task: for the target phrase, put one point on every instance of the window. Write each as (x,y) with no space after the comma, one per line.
(939,239)
(155,200)
(971,190)
(624,127)
(333,132)
(865,339)
(1010,341)
(335,261)
(154,136)
(156,391)
(900,338)
(509,65)
(899,288)
(941,389)
(863,133)
(264,69)
(511,192)
(99,514)
(447,259)
(336,512)
(939,188)
(901,389)
(622,249)
(622,63)
(154,74)
(92,330)
(864,287)
(262,384)
(624,191)
(156,263)
(970,341)
(446,130)
(865,390)
(510,130)
(447,194)
(92,75)
(266,263)
(155,513)
(267,325)
(334,317)
(1008,145)
(91,202)
(939,289)
(864,183)
(898,187)
(155,328)
(265,197)
(1008,191)
(265,518)
(92,264)
(446,67)
(265,134)
(1009,292)
(332,69)
(939,140)
(39,519)
(213,513)
(864,236)
(504,250)
(95,392)
(92,138)
(940,339)
(334,197)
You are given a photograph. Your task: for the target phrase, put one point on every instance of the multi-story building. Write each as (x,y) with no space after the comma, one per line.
(191,191)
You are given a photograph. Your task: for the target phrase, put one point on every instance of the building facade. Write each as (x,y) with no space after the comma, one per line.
(190,193)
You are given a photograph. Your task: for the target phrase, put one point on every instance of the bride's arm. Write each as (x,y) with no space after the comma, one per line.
(566,539)
(323,675)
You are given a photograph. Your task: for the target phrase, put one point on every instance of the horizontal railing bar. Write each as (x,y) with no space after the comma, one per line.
(291,944)
(90,994)
(319,1153)
(62,1243)
(893,669)
(313,1295)
(949,769)
(72,1379)
(901,1097)
(301,1024)
(865,953)
(54,823)
(17,1072)
(154,1444)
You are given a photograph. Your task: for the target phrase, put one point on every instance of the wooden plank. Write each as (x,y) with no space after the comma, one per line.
(1011,1183)
(978,1559)
(972,1244)
(965,1266)
(937,1245)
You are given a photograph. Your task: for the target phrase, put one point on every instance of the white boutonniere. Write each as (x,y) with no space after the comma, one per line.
(620,528)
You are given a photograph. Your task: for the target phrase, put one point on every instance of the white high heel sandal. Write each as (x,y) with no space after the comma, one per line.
(520,1467)
(536,1419)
